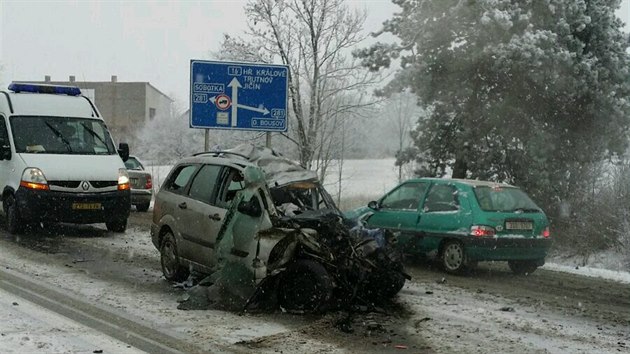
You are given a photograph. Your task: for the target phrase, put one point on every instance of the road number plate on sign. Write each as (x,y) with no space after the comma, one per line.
(519,225)
(86,206)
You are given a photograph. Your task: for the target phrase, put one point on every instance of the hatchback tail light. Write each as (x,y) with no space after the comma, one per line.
(149,183)
(482,231)
(546,233)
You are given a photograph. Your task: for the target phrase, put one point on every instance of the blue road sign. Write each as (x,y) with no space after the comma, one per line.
(241,96)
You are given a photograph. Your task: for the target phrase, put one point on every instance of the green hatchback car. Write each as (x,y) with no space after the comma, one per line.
(461,222)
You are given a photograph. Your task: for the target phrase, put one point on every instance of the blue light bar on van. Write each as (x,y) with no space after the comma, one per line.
(39,88)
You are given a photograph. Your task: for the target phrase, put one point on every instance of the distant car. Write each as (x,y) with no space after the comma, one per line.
(141,184)
(221,213)
(461,222)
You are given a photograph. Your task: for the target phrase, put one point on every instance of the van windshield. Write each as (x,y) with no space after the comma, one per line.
(61,135)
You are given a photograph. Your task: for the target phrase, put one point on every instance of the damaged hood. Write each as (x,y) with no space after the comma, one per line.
(279,170)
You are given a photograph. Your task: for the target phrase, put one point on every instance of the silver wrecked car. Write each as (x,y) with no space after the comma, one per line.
(217,215)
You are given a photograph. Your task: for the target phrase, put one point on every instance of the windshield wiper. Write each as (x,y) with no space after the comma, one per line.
(59,135)
(94,134)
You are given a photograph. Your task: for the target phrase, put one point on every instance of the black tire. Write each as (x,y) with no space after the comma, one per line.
(15,224)
(453,257)
(385,285)
(304,286)
(523,267)
(142,207)
(116,225)
(169,259)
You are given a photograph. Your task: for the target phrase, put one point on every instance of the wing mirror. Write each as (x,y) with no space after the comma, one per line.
(123,151)
(373,205)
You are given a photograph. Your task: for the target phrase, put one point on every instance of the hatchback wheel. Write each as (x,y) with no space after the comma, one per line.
(523,267)
(169,258)
(453,257)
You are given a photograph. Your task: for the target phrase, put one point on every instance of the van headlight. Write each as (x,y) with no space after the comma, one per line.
(33,178)
(123,179)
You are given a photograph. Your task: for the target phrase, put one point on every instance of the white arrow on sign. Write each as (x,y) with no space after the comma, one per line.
(235,85)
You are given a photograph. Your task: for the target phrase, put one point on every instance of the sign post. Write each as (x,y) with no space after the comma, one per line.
(238,96)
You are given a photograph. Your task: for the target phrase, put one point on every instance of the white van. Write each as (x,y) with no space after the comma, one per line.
(58,162)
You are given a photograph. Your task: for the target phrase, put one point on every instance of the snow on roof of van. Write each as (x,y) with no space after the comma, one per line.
(43,104)
(279,170)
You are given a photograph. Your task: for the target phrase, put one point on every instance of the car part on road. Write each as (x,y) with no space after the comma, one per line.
(143,207)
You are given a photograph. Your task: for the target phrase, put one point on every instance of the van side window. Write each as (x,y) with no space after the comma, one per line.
(442,197)
(204,183)
(4,135)
(405,197)
(4,140)
(180,178)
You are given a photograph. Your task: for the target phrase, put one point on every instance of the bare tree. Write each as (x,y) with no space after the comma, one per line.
(405,112)
(313,38)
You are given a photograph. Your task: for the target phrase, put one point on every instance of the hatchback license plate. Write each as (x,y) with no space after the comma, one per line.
(86,206)
(519,225)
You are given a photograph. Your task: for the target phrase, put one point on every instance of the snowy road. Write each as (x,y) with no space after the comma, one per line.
(489,311)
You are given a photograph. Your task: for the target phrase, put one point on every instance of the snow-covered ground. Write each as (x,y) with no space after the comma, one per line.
(472,320)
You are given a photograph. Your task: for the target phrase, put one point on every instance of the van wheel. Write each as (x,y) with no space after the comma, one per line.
(14,221)
(169,259)
(142,207)
(523,267)
(116,225)
(304,286)
(453,257)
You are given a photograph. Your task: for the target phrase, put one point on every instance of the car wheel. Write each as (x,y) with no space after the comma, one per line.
(304,286)
(116,225)
(523,267)
(453,257)
(15,224)
(142,207)
(169,259)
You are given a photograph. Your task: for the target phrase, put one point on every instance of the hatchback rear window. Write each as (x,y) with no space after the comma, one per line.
(504,199)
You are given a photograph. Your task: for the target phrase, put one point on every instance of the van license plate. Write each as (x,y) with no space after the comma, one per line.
(86,206)
(519,225)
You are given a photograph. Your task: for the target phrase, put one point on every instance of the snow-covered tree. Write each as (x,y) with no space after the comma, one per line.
(528,92)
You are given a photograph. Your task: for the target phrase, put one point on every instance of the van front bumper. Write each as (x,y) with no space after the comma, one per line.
(78,208)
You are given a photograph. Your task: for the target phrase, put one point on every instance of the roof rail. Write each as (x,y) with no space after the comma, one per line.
(219,153)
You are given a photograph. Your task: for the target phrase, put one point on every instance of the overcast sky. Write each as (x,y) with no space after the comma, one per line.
(135,40)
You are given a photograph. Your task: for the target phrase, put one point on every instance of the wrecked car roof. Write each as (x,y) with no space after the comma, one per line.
(279,170)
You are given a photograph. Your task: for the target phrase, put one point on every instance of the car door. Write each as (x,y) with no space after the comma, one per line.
(399,210)
(444,213)
(5,161)
(200,217)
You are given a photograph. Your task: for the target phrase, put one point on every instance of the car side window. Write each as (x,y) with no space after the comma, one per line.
(204,183)
(442,197)
(232,181)
(405,197)
(178,181)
